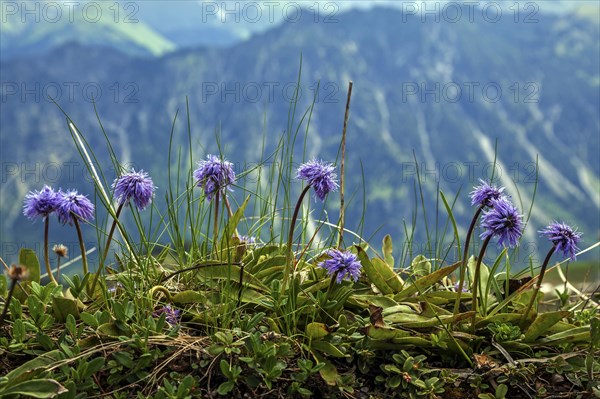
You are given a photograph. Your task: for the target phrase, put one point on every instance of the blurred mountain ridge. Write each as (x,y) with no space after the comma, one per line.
(154,28)
(419,92)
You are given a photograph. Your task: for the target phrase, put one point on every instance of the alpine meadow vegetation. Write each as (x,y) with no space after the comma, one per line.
(227,292)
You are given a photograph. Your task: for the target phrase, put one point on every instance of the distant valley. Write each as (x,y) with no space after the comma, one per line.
(441,93)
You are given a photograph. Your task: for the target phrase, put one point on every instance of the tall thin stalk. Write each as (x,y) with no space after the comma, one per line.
(476,280)
(290,264)
(46,250)
(463,265)
(538,285)
(342,169)
(216,221)
(15,273)
(81,244)
(106,248)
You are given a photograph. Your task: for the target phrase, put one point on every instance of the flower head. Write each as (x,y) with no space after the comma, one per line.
(40,203)
(214,175)
(134,185)
(456,286)
(18,272)
(320,176)
(61,250)
(171,315)
(71,205)
(344,263)
(503,220)
(247,240)
(563,237)
(114,287)
(485,193)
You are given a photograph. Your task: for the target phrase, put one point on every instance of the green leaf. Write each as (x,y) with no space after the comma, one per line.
(431,310)
(257,255)
(416,341)
(453,220)
(41,388)
(379,274)
(94,366)
(595,333)
(231,226)
(484,274)
(501,391)
(188,296)
(385,333)
(264,266)
(399,309)
(420,266)
(328,348)
(425,282)
(225,369)
(18,330)
(63,307)
(419,383)
(89,319)
(392,278)
(316,330)
(328,372)
(578,334)
(29,259)
(230,273)
(542,323)
(417,321)
(225,388)
(438,297)
(500,318)
(3,285)
(560,326)
(33,367)
(363,301)
(124,359)
(112,330)
(268,275)
(387,250)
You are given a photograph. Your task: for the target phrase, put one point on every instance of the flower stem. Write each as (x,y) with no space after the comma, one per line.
(13,284)
(538,285)
(230,212)
(342,169)
(228,206)
(476,280)
(81,244)
(463,266)
(162,290)
(216,222)
(330,288)
(58,268)
(106,248)
(239,299)
(290,263)
(46,252)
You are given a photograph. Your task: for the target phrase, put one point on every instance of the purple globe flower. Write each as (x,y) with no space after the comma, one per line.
(502,220)
(563,237)
(72,205)
(248,240)
(136,186)
(485,193)
(214,175)
(40,203)
(171,315)
(456,286)
(320,176)
(344,263)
